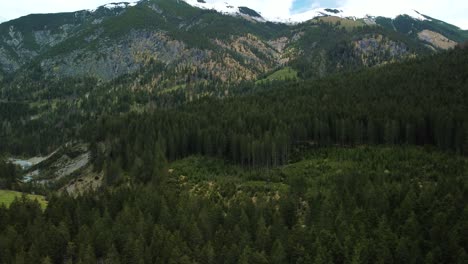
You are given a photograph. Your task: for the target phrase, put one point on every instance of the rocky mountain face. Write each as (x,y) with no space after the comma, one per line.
(123,38)
(25,38)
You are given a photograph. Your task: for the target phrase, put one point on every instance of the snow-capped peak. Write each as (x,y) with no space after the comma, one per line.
(119,5)
(415,14)
(318,12)
(231,9)
(226,8)
(222,7)
(343,13)
(115,5)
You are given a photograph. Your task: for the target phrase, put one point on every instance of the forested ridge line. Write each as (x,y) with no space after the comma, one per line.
(423,96)
(419,102)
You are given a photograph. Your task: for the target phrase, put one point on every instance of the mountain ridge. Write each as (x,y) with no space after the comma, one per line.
(122,38)
(299,17)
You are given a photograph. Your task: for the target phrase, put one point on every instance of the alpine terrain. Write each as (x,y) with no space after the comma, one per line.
(171,131)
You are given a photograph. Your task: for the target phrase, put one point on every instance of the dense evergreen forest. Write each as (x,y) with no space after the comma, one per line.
(421,102)
(334,205)
(364,167)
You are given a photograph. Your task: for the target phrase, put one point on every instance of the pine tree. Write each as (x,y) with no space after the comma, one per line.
(262,234)
(20,257)
(70,254)
(88,256)
(46,260)
(259,258)
(278,255)
(112,256)
(208,254)
(160,169)
(112,173)
(402,254)
(245,256)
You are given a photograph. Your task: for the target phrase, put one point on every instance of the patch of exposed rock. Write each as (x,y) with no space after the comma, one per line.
(377,49)
(16,48)
(88,180)
(436,39)
(244,57)
(279,44)
(112,59)
(62,163)
(253,53)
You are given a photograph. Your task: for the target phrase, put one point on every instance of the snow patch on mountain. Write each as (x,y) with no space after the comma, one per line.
(223,7)
(112,6)
(119,5)
(319,12)
(390,14)
(338,12)
(231,9)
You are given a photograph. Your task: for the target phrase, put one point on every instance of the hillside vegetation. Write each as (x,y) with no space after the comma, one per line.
(163,133)
(8,197)
(421,102)
(334,205)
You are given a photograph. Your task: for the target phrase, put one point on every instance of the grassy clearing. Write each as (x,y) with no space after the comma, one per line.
(173,89)
(286,73)
(343,22)
(7,197)
(198,168)
(266,186)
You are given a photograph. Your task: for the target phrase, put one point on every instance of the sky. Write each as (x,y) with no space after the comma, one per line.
(451,11)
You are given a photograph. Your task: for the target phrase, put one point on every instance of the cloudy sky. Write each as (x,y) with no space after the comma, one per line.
(452,11)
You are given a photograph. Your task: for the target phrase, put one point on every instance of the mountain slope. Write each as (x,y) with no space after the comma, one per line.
(407,21)
(27,37)
(170,43)
(413,27)
(172,33)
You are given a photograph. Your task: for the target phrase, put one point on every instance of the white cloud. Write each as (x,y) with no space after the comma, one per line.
(17,8)
(460,22)
(452,11)
(268,8)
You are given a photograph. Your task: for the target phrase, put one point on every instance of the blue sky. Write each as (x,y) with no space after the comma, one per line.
(299,6)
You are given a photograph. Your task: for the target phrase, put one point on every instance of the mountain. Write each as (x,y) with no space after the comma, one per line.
(410,22)
(109,43)
(27,37)
(160,132)
(122,38)
(59,70)
(229,8)
(63,69)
